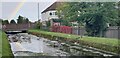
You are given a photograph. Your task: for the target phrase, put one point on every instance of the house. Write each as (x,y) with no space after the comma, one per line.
(50,13)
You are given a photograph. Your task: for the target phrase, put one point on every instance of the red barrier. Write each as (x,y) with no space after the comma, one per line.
(61,29)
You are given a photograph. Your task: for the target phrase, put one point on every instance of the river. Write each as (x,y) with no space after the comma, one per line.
(24,44)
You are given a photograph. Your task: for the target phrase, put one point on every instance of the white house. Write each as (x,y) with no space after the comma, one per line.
(50,13)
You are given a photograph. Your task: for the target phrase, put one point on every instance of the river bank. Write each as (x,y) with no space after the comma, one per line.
(5,46)
(105,44)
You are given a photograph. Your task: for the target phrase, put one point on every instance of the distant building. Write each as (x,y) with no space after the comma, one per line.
(50,13)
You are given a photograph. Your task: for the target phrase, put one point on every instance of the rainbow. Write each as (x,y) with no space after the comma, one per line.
(17,8)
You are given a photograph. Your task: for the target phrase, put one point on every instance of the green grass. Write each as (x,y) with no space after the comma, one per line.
(0,44)
(5,46)
(107,41)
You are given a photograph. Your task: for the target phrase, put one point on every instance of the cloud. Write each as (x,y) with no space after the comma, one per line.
(28,10)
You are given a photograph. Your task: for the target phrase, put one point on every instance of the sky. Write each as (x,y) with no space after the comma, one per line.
(11,10)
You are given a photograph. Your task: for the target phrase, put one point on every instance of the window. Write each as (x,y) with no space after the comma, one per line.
(50,13)
(55,13)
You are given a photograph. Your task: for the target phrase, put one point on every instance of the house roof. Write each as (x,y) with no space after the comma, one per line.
(51,7)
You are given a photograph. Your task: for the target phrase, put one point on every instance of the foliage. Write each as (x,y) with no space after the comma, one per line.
(97,19)
(26,20)
(95,14)
(0,43)
(0,20)
(62,10)
(66,23)
(38,24)
(5,22)
(21,20)
(118,21)
(12,22)
(63,13)
(48,23)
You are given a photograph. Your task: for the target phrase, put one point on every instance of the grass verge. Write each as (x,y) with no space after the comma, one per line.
(5,46)
(109,44)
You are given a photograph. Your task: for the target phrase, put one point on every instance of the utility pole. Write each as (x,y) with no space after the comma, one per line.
(38,11)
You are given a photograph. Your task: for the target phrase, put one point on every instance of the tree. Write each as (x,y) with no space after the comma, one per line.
(118,21)
(0,20)
(20,19)
(95,15)
(48,23)
(12,22)
(96,19)
(5,22)
(38,24)
(66,23)
(26,20)
(63,12)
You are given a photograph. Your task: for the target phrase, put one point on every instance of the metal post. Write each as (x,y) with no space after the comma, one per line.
(38,11)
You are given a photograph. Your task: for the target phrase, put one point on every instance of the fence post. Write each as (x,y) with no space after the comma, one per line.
(118,40)
(118,32)
(78,30)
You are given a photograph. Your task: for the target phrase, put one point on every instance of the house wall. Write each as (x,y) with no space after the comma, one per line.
(46,15)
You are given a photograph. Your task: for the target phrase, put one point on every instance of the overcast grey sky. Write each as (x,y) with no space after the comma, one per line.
(29,9)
